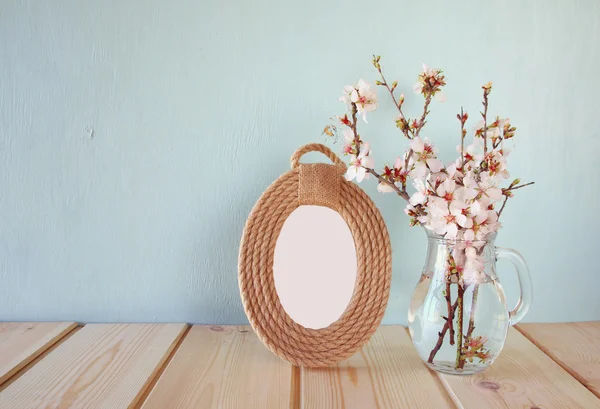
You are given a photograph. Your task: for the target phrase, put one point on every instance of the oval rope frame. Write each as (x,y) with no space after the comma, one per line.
(283,336)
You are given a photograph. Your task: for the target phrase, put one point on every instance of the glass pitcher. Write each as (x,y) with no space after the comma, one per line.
(458,318)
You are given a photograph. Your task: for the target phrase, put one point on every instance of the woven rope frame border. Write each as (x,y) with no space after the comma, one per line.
(283,336)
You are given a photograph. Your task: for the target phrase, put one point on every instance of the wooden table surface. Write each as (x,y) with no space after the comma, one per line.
(162,366)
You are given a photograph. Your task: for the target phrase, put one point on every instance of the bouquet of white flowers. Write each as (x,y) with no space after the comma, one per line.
(460,202)
(457,201)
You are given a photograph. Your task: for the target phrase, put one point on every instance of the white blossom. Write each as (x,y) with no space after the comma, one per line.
(358,164)
(362,95)
(423,158)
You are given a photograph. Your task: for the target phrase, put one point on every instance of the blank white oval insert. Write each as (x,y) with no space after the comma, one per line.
(314,266)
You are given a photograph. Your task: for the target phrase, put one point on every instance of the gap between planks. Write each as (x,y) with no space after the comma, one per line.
(296,378)
(571,371)
(41,356)
(155,375)
(449,392)
(158,373)
(133,337)
(524,376)
(387,373)
(296,389)
(223,367)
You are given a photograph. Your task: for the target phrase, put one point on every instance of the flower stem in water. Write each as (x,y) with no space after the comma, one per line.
(441,335)
(472,314)
(471,321)
(450,317)
(459,323)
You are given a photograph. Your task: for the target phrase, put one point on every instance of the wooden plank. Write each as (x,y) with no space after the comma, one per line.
(38,358)
(575,346)
(223,367)
(21,342)
(522,377)
(386,373)
(101,366)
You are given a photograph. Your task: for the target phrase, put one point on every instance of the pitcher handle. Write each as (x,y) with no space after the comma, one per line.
(526,296)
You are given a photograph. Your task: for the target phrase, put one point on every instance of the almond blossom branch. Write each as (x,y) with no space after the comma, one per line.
(503,204)
(487,88)
(418,128)
(405,129)
(401,193)
(520,186)
(508,131)
(430,83)
(508,193)
(421,123)
(462,117)
(408,156)
(358,143)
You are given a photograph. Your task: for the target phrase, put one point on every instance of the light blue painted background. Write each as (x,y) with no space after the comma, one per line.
(196,107)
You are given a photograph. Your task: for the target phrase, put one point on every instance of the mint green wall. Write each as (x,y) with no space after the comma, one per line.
(135,136)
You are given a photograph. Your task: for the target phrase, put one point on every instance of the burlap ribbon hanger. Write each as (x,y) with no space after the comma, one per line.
(323,185)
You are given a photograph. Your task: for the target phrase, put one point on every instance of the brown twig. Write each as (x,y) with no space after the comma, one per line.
(495,145)
(400,192)
(520,186)
(357,141)
(463,133)
(507,196)
(441,335)
(484,114)
(391,91)
(450,312)
(406,160)
(423,115)
(503,204)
